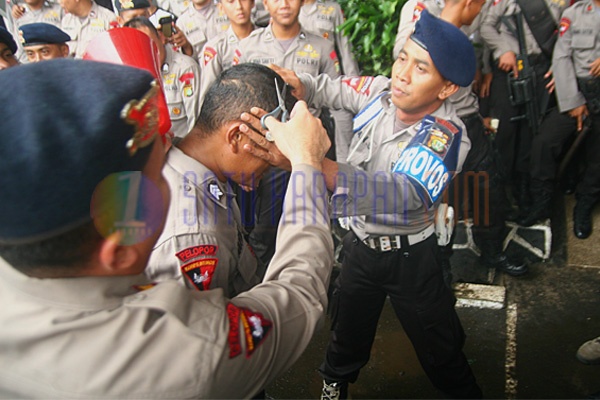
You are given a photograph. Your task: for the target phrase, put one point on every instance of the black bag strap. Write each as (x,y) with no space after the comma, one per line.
(541,23)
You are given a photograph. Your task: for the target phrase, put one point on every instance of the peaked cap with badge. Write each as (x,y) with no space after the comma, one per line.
(53,155)
(450,49)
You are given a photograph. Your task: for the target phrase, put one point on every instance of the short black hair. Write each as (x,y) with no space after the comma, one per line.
(138,22)
(65,253)
(237,90)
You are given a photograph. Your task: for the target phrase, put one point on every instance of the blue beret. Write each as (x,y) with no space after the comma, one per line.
(449,48)
(7,39)
(60,137)
(124,5)
(42,33)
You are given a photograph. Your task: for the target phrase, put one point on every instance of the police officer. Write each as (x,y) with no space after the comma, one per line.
(180,79)
(218,52)
(392,249)
(129,9)
(8,47)
(200,21)
(576,64)
(43,41)
(34,11)
(84,20)
(80,282)
(480,170)
(203,242)
(499,29)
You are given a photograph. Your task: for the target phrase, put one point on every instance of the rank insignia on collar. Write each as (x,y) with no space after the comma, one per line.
(215,191)
(143,115)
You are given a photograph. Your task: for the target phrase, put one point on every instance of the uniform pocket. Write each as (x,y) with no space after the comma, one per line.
(583,41)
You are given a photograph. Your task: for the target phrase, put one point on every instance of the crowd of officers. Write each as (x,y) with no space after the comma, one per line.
(534,92)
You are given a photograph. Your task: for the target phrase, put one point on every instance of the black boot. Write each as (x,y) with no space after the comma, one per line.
(493,256)
(541,208)
(582,215)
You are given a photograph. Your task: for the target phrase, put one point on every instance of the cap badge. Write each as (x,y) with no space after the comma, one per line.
(143,115)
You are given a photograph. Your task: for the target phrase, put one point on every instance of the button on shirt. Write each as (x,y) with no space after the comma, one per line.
(202,244)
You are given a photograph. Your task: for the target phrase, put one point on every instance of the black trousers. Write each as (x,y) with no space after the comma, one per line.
(513,139)
(412,278)
(556,133)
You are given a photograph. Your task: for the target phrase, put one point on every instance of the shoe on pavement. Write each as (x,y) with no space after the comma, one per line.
(502,263)
(589,352)
(334,390)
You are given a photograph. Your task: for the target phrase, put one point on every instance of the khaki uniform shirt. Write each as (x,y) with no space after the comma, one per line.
(202,244)
(82,32)
(217,56)
(99,337)
(578,45)
(382,202)
(181,84)
(50,13)
(200,26)
(322,18)
(500,39)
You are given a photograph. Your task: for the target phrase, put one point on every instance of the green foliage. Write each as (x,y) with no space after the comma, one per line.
(371,26)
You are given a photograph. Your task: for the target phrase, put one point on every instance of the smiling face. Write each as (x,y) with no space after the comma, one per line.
(418,88)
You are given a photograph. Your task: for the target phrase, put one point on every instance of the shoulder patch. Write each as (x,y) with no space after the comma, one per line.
(233,338)
(360,84)
(200,273)
(196,251)
(565,23)
(209,54)
(256,329)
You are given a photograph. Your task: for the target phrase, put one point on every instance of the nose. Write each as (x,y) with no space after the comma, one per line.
(402,71)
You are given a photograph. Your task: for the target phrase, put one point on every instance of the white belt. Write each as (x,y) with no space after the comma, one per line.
(393,242)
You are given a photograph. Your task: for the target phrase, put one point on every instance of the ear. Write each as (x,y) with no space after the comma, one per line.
(116,259)
(235,139)
(64,50)
(120,20)
(448,90)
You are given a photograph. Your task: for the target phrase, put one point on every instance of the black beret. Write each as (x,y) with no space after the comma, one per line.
(124,5)
(42,33)
(449,48)
(7,39)
(59,138)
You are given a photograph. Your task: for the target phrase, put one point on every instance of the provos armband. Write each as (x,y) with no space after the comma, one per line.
(430,159)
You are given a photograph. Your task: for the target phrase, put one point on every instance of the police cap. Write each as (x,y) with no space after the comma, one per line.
(124,5)
(42,33)
(59,138)
(450,49)
(7,39)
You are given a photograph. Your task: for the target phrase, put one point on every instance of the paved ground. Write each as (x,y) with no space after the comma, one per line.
(524,348)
